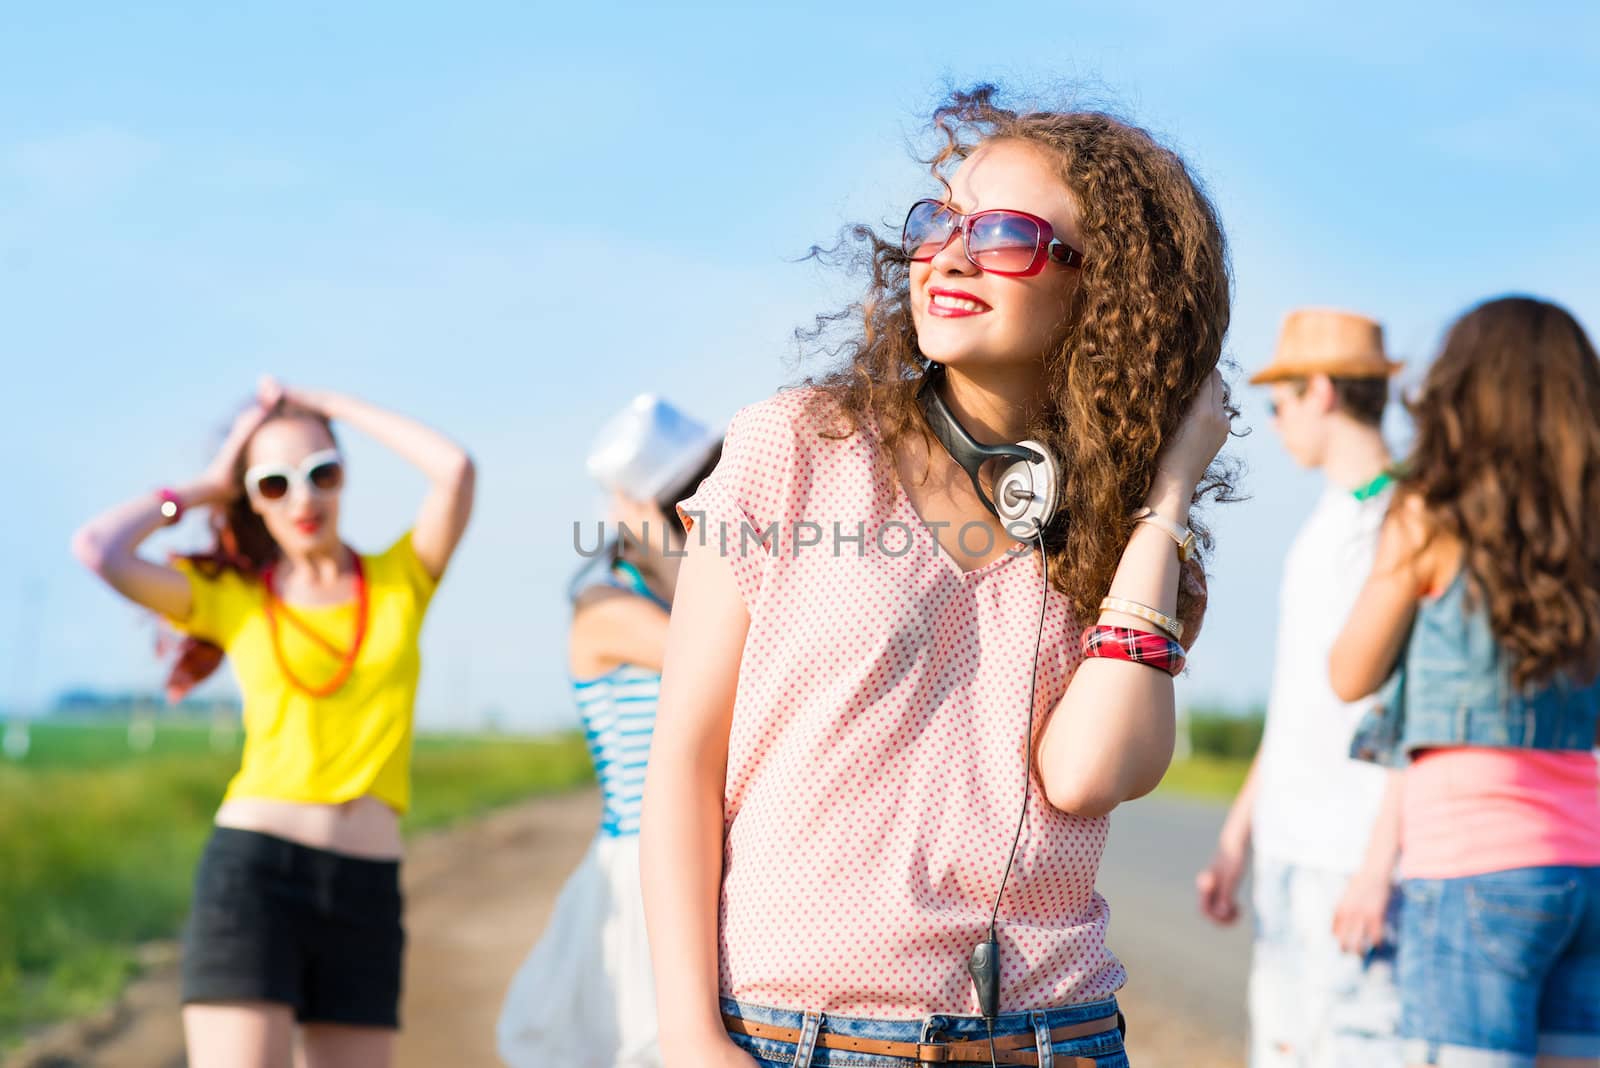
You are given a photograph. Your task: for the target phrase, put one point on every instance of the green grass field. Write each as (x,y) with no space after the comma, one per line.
(98,843)
(1206,776)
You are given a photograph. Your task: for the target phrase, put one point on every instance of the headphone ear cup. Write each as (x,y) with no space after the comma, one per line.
(1025,491)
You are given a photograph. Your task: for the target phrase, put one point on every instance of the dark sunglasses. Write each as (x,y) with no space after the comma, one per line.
(1001,241)
(318,474)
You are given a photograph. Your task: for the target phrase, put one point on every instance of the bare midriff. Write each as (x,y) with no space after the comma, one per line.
(363,827)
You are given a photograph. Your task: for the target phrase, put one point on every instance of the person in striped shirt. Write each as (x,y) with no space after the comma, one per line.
(585,995)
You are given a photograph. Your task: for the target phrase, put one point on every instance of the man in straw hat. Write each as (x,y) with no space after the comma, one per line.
(1322,979)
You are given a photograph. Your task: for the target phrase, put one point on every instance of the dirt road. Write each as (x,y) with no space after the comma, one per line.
(478,895)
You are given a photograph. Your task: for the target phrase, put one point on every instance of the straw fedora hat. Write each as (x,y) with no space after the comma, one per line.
(1322,341)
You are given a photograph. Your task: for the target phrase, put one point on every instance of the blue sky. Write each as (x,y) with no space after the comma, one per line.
(507,219)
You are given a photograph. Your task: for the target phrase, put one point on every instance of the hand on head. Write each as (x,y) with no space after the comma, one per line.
(270,392)
(1200,436)
(271,396)
(222,472)
(274,394)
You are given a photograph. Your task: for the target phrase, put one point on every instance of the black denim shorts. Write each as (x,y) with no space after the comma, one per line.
(277,921)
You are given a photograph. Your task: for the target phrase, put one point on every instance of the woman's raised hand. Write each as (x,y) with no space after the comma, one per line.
(1190,451)
(270,392)
(221,474)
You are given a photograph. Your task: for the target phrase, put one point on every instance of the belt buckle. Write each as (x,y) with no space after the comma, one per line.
(935,1049)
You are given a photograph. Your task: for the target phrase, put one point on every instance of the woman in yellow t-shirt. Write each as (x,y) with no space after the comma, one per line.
(296,915)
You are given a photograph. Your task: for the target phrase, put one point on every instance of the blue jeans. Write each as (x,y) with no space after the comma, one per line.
(1498,968)
(1104,1049)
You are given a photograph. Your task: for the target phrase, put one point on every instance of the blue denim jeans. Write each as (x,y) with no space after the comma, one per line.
(1498,968)
(1104,1049)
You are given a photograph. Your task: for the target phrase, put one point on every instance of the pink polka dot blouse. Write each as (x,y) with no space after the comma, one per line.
(876,754)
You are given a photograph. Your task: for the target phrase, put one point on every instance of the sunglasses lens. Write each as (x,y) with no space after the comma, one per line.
(272,487)
(1004,242)
(328,476)
(927,229)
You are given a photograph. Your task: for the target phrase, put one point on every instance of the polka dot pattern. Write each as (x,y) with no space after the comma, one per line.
(875,760)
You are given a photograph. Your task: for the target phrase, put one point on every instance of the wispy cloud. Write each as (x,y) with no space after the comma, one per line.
(89,161)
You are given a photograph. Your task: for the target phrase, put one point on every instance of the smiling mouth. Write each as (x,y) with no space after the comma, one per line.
(944,302)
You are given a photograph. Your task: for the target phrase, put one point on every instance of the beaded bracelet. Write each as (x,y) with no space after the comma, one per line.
(1134,646)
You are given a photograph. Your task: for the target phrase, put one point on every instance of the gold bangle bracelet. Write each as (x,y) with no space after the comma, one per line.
(1171,627)
(1180,534)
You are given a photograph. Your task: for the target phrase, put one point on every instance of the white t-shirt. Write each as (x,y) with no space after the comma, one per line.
(1315,805)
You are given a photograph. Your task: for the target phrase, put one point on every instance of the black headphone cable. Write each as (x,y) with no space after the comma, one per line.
(984,965)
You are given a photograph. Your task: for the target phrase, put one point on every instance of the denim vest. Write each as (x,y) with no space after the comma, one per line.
(1453,687)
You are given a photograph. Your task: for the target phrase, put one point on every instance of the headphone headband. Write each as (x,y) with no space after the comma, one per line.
(1026,484)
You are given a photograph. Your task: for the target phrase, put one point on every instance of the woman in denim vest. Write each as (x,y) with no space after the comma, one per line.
(1483,614)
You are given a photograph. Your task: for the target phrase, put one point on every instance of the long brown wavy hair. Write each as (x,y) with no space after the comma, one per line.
(1146,329)
(241,544)
(1507,461)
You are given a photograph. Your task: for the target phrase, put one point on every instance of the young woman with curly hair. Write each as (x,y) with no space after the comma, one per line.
(844,806)
(296,919)
(1483,612)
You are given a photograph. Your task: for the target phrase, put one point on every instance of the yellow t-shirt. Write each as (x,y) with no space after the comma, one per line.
(322,749)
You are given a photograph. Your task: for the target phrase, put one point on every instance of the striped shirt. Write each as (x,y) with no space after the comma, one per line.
(618,707)
(619,713)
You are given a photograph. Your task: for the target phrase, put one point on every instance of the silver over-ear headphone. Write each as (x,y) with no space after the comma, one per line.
(1025,486)
(1025,491)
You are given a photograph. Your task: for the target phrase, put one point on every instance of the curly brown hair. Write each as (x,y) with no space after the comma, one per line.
(242,544)
(1146,329)
(1506,461)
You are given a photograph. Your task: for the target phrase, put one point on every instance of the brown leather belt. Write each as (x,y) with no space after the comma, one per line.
(1009,1049)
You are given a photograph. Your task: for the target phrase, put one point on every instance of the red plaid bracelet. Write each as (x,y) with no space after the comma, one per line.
(1135,646)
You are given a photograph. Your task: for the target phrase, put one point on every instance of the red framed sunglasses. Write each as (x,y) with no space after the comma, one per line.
(1001,241)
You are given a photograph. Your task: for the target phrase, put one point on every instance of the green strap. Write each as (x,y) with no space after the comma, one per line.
(1373,488)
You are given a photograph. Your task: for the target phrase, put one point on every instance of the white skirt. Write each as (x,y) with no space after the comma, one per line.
(585,997)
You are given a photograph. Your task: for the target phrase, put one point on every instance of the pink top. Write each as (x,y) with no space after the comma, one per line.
(1468,811)
(875,759)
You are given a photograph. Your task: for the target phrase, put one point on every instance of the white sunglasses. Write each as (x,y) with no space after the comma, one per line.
(319,474)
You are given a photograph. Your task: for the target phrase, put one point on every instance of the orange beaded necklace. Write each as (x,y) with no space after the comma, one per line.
(347,659)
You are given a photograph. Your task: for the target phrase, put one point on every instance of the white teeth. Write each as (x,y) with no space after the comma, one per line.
(942,301)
